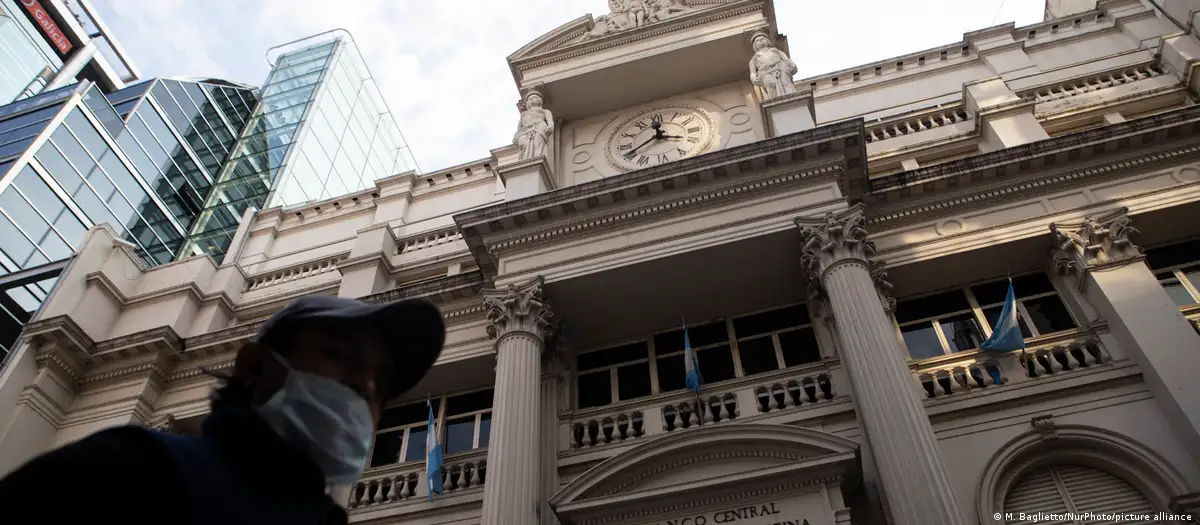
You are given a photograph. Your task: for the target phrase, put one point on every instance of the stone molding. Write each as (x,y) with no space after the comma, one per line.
(664,208)
(836,239)
(807,458)
(1113,145)
(1080,444)
(994,195)
(518,309)
(556,45)
(837,150)
(1097,243)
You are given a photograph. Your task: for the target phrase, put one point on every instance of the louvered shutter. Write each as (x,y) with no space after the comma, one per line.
(1063,488)
(1092,490)
(1036,492)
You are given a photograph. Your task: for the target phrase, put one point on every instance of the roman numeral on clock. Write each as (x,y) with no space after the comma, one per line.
(689,121)
(643,160)
(623,147)
(695,129)
(662,157)
(682,152)
(694,140)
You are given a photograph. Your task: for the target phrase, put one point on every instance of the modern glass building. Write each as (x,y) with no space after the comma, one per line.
(322,130)
(70,159)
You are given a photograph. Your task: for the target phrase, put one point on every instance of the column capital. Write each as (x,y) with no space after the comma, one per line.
(518,308)
(1096,243)
(837,238)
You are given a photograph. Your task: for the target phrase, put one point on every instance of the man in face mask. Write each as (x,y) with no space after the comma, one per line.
(295,417)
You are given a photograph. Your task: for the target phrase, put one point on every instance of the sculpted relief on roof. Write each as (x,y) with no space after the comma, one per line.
(625,16)
(628,14)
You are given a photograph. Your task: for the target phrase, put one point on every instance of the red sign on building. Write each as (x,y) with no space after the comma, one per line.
(49,28)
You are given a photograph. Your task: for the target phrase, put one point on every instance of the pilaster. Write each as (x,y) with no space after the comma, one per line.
(519,321)
(836,259)
(1100,259)
(368,270)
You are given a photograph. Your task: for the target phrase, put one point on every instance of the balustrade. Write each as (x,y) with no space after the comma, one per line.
(965,372)
(294,273)
(913,124)
(806,390)
(1080,86)
(389,486)
(607,429)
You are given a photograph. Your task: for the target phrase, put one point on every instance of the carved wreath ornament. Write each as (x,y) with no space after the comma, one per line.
(518,308)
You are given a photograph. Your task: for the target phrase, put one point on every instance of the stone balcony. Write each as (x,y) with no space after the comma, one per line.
(405,484)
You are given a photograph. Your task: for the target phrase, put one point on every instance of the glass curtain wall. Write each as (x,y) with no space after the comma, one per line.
(322,130)
(257,159)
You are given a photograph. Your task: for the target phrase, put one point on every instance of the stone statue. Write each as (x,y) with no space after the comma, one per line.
(535,128)
(771,69)
(663,9)
(628,14)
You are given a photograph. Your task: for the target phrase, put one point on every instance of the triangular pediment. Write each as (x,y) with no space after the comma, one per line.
(593,33)
(722,461)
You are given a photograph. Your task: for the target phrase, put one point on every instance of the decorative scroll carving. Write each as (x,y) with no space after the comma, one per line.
(628,14)
(1045,426)
(880,277)
(1097,242)
(535,127)
(770,68)
(518,308)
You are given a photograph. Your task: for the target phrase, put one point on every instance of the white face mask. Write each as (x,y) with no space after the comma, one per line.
(325,419)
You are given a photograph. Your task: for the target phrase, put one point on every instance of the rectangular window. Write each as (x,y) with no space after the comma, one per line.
(463,425)
(960,319)
(1177,267)
(753,344)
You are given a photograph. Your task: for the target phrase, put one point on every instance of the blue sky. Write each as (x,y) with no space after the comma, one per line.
(441,63)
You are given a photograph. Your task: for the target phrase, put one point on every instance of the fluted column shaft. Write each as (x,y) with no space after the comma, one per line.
(519,321)
(896,426)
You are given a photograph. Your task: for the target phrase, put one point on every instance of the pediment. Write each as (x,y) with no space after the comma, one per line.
(707,465)
(582,36)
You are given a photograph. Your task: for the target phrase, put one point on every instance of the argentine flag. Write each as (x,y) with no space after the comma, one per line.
(1006,331)
(433,455)
(690,364)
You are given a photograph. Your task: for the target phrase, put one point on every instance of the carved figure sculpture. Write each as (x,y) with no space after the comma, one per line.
(663,9)
(628,14)
(771,69)
(535,127)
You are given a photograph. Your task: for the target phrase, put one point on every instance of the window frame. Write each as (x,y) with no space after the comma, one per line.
(653,356)
(440,420)
(1178,272)
(977,311)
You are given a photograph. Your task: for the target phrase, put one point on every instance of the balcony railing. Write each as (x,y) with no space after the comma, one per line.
(406,481)
(294,272)
(1051,355)
(789,389)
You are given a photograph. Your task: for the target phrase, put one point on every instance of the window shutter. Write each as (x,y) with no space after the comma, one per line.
(1036,492)
(1070,488)
(1093,490)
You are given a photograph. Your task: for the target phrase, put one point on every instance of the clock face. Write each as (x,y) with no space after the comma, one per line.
(682,131)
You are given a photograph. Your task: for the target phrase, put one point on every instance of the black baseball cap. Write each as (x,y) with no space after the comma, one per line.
(411,330)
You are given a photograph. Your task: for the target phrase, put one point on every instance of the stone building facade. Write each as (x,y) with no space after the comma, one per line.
(837,245)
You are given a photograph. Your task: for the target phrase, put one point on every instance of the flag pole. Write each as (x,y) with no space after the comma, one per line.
(699,404)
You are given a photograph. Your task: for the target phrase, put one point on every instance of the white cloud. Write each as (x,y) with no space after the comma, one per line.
(440,64)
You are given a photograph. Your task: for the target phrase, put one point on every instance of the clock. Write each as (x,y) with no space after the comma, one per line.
(660,135)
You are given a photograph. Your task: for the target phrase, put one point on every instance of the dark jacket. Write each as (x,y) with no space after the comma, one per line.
(237,472)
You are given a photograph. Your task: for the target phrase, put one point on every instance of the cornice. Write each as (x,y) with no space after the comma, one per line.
(190,288)
(441,290)
(1034,166)
(816,149)
(60,330)
(154,340)
(665,207)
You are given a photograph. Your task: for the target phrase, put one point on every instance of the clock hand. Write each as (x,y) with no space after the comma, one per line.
(634,151)
(671,137)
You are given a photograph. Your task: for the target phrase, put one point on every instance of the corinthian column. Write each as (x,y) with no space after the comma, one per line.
(519,321)
(906,452)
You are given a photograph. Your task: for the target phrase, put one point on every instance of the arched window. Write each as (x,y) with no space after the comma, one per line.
(1059,489)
